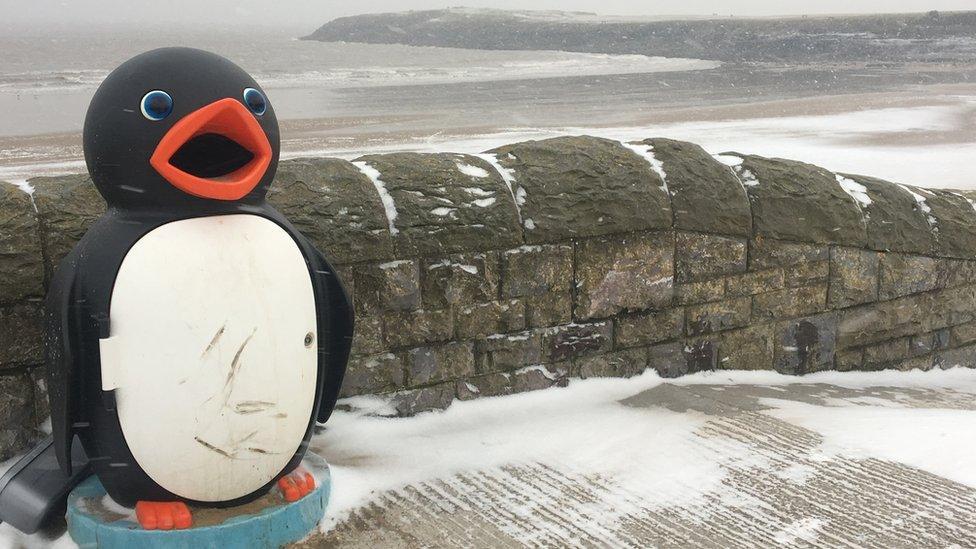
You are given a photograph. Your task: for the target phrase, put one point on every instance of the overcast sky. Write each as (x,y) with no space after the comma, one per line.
(312,13)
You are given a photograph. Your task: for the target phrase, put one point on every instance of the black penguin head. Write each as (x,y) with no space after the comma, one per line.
(180,127)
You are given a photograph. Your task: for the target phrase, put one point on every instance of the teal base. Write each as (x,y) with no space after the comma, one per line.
(271,527)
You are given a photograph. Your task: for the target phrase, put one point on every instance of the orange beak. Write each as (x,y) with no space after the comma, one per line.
(230,120)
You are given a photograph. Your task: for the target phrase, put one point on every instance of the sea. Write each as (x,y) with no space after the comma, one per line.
(348,99)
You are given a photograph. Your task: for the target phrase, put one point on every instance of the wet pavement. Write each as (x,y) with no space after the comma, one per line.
(779,489)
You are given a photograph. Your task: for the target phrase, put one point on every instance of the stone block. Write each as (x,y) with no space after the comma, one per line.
(417,328)
(904,274)
(494,384)
(538,377)
(700,256)
(550,309)
(574,340)
(440,363)
(393,286)
(445,203)
(373,374)
(894,220)
(853,277)
(626,363)
(923,363)
(459,280)
(718,316)
(933,341)
(644,329)
(767,253)
(961,357)
(626,273)
(537,270)
(66,207)
(790,302)
(801,202)
(963,334)
(485,319)
(508,351)
(756,282)
(806,345)
(335,206)
(849,360)
(699,292)
(888,353)
(747,349)
(21,260)
(367,338)
(22,334)
(706,195)
(806,274)
(678,358)
(955,222)
(573,187)
(16,414)
(427,399)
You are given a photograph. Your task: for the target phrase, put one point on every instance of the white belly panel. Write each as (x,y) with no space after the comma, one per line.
(214,379)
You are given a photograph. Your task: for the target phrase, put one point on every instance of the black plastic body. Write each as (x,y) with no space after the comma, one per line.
(119,142)
(34,490)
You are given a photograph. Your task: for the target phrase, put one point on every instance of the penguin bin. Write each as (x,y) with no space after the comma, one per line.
(193,336)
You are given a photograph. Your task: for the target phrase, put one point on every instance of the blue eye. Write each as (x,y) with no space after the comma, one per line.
(255,101)
(156,105)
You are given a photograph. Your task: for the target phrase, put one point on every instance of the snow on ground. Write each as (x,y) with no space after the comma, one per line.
(649,456)
(586,430)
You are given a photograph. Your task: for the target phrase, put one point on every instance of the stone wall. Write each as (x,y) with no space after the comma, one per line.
(525,266)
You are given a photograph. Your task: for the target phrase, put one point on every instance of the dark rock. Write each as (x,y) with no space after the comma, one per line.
(335,206)
(926,343)
(417,401)
(21,261)
(644,329)
(626,363)
(393,286)
(699,256)
(955,218)
(627,273)
(66,206)
(706,195)
(417,328)
(16,414)
(700,356)
(806,274)
(574,187)
(894,220)
(535,378)
(373,374)
(962,357)
(441,363)
(797,201)
(446,203)
(806,345)
(575,340)
(21,335)
(459,279)
(718,316)
(848,360)
(963,334)
(494,317)
(537,270)
(853,277)
(668,359)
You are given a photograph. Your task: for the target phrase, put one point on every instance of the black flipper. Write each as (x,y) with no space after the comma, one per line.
(337,340)
(59,317)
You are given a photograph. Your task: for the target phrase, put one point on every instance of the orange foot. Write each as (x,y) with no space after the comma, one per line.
(296,484)
(163,515)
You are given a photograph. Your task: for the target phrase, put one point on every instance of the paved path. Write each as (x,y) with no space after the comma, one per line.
(797,497)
